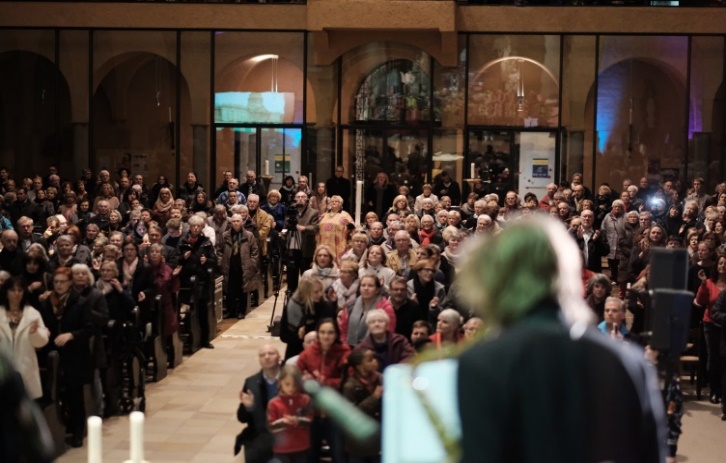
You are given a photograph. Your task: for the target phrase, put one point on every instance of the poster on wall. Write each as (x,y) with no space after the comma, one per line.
(536,162)
(540,168)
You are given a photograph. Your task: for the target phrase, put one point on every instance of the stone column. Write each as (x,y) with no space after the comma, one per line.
(80,147)
(201,159)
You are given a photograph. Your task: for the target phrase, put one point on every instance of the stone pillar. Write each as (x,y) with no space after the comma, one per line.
(80,147)
(201,159)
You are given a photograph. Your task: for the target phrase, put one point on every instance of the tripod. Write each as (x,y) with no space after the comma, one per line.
(277,264)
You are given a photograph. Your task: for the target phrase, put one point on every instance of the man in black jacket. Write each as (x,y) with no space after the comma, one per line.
(254,186)
(257,391)
(592,244)
(339,185)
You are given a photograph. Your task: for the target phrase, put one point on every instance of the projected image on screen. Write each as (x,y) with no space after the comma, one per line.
(260,107)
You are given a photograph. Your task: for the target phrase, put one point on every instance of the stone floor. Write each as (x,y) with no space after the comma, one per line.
(191,418)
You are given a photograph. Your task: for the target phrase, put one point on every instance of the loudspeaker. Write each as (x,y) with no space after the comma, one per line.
(668,269)
(671,315)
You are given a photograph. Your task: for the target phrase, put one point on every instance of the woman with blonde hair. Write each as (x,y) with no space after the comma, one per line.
(324,267)
(334,227)
(400,206)
(306,307)
(161,212)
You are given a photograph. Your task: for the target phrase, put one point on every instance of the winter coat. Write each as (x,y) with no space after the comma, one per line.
(612,228)
(357,334)
(290,439)
(249,257)
(396,349)
(21,348)
(326,367)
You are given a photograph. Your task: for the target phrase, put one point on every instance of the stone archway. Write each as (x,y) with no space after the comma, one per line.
(640,120)
(134,107)
(34,95)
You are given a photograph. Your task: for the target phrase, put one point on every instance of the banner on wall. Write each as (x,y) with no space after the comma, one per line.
(536,162)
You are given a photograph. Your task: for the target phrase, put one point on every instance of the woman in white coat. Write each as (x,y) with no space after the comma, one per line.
(22,332)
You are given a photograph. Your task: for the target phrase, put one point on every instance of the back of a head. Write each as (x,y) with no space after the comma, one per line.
(510,273)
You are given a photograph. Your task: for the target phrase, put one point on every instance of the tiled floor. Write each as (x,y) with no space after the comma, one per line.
(191,414)
(191,418)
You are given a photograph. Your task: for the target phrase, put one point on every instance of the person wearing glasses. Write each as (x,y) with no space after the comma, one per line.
(71,326)
(424,289)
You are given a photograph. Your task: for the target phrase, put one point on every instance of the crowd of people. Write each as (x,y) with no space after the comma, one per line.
(78,253)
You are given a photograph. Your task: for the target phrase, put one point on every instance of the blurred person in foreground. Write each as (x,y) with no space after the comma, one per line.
(547,399)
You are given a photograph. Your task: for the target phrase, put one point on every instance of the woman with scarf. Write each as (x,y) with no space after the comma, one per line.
(334,227)
(71,326)
(352,323)
(161,212)
(428,233)
(276,209)
(161,182)
(35,273)
(323,268)
(118,301)
(626,241)
(134,276)
(344,290)
(304,310)
(63,256)
(375,264)
(424,289)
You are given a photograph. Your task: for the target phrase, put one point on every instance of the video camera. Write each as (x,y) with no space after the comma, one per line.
(291,216)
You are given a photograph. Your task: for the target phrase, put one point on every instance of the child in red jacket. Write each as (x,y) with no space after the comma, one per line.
(289,416)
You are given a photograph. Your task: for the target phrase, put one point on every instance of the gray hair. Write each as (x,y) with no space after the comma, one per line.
(617,300)
(618,202)
(451,315)
(195,220)
(84,268)
(377,313)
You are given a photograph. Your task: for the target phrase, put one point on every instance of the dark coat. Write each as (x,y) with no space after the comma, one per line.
(339,186)
(536,394)
(371,194)
(718,315)
(406,315)
(11,262)
(192,265)
(355,391)
(309,219)
(250,255)
(188,193)
(258,188)
(396,349)
(76,362)
(142,280)
(255,438)
(92,301)
(596,250)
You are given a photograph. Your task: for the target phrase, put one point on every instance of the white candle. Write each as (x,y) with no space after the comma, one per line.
(267,168)
(136,420)
(473,171)
(310,181)
(358,200)
(94,439)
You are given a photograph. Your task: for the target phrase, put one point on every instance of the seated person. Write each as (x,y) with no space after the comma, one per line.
(614,323)
(420,335)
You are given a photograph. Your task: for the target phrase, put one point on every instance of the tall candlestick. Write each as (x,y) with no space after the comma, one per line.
(136,420)
(358,200)
(94,439)
(267,168)
(473,171)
